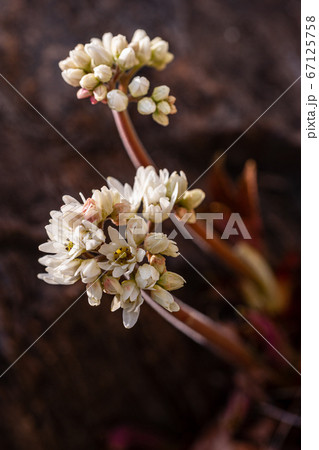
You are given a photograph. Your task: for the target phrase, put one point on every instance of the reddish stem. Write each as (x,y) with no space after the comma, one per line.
(140,157)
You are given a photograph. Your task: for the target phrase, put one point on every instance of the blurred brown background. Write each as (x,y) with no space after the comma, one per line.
(88,380)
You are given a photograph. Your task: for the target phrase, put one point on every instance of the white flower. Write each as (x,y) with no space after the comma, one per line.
(59,270)
(130,300)
(139,86)
(146,106)
(146,276)
(118,44)
(94,292)
(127,59)
(117,100)
(73,76)
(89,81)
(164,298)
(98,54)
(121,257)
(88,270)
(103,73)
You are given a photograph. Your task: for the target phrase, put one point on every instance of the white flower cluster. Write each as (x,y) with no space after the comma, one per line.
(77,247)
(104,67)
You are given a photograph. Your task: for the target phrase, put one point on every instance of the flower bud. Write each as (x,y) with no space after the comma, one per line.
(118,44)
(146,276)
(94,293)
(117,100)
(121,212)
(160,93)
(146,106)
(89,82)
(73,76)
(138,35)
(159,48)
(98,54)
(112,285)
(104,201)
(96,41)
(130,290)
(83,93)
(103,73)
(127,59)
(139,86)
(164,107)
(100,92)
(136,230)
(171,281)
(156,243)
(158,262)
(80,57)
(164,298)
(89,270)
(161,118)
(107,40)
(192,199)
(67,63)
(171,250)
(144,50)
(174,180)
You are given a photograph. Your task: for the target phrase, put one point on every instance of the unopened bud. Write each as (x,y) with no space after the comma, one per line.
(127,59)
(138,35)
(192,199)
(160,93)
(107,39)
(80,57)
(67,63)
(146,106)
(156,243)
(164,107)
(144,50)
(117,100)
(139,86)
(98,54)
(112,285)
(161,118)
(100,92)
(164,298)
(73,76)
(89,82)
(118,44)
(171,281)
(159,262)
(83,93)
(103,73)
(121,213)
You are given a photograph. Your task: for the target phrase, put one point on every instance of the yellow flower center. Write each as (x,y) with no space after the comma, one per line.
(122,254)
(69,246)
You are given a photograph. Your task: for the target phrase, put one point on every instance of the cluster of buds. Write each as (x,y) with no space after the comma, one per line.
(122,264)
(104,70)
